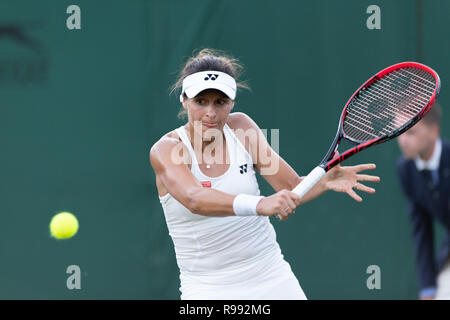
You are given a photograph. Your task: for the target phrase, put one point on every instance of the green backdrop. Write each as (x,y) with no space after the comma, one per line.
(80,110)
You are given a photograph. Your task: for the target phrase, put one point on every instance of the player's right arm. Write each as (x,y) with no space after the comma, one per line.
(177,178)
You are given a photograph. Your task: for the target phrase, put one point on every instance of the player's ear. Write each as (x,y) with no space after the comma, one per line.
(232,105)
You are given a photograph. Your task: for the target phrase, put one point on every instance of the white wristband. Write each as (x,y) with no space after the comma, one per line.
(245,204)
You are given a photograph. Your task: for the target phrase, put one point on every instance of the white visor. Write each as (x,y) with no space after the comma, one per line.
(199,81)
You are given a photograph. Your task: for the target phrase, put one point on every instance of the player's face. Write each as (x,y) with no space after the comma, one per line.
(211,107)
(418,140)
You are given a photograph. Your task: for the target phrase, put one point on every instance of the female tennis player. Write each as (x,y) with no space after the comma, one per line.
(224,242)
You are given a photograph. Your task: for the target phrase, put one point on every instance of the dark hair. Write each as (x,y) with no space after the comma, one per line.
(209,59)
(434,115)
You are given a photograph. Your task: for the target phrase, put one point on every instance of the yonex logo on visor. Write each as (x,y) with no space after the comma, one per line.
(211,76)
(199,81)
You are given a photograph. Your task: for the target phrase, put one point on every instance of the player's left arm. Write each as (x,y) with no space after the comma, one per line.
(280,175)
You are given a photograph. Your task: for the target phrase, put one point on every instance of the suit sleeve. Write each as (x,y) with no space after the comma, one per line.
(422,232)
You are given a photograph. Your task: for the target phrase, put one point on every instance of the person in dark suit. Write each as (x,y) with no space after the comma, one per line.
(424,173)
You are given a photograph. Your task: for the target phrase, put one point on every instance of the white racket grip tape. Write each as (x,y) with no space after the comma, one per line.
(309,181)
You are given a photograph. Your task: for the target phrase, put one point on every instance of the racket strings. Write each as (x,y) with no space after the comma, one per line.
(399,80)
(406,111)
(388,103)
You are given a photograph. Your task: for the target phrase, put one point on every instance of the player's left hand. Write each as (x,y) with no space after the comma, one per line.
(344,179)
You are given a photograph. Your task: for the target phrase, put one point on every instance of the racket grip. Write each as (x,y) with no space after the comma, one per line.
(309,181)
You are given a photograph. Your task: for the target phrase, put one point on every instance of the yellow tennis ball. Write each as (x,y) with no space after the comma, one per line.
(63,225)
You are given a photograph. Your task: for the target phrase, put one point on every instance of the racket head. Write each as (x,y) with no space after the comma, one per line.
(386,105)
(389,103)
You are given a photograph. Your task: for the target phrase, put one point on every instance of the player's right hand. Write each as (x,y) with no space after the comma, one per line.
(282,203)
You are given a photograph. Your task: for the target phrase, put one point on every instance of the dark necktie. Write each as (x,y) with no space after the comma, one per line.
(427,175)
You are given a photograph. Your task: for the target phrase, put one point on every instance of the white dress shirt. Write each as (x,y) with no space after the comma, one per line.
(433,163)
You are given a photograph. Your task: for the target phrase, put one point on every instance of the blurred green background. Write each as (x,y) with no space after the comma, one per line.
(80,110)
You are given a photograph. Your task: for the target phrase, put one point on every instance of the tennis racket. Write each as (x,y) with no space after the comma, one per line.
(387,105)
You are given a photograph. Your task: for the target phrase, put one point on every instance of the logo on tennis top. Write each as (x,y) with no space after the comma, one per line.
(243,168)
(211,76)
(206,184)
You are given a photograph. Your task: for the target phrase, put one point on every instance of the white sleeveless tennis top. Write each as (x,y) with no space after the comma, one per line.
(218,245)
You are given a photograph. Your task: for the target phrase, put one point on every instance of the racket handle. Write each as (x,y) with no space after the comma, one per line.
(309,181)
